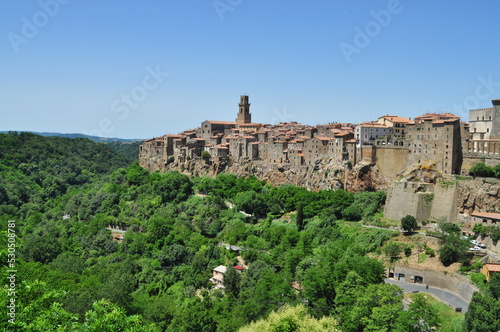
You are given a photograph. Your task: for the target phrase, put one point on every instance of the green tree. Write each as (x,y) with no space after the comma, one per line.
(205,155)
(454,250)
(232,281)
(480,169)
(482,315)
(108,317)
(300,217)
(408,223)
(292,319)
(420,316)
(377,309)
(393,250)
(352,213)
(477,228)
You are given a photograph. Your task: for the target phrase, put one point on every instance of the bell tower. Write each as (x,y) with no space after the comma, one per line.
(495,128)
(244,115)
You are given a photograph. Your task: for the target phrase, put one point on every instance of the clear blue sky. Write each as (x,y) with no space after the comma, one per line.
(66,68)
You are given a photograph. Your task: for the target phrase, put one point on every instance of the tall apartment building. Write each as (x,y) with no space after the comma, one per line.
(434,141)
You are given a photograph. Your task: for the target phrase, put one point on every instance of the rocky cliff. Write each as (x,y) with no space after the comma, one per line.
(325,174)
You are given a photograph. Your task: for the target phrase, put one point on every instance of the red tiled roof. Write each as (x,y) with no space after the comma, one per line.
(250,124)
(492,267)
(396,119)
(489,215)
(221,122)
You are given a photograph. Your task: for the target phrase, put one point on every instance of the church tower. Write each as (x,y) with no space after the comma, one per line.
(495,130)
(244,115)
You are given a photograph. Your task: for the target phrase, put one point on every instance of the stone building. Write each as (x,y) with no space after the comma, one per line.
(371,133)
(484,143)
(434,141)
(394,143)
(244,115)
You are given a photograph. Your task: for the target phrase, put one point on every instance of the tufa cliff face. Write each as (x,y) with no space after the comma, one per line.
(479,195)
(326,173)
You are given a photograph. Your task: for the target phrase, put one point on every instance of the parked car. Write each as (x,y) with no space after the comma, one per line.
(475,242)
(475,249)
(481,245)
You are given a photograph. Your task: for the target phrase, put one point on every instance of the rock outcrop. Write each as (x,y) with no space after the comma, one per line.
(325,174)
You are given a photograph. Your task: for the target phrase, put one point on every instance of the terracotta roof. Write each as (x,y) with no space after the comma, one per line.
(323,138)
(342,134)
(372,125)
(395,118)
(250,124)
(489,215)
(221,122)
(492,267)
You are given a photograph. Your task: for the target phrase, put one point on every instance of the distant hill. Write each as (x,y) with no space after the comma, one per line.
(76,135)
(34,168)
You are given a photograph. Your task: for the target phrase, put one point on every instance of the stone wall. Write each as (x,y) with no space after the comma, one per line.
(457,284)
(391,160)
(444,201)
(408,198)
(449,199)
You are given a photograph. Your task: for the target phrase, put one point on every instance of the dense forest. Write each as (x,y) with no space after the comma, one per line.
(304,262)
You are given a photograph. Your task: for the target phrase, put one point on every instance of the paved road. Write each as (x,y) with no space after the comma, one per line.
(444,296)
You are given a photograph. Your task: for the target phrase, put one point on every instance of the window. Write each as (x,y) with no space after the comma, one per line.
(447,136)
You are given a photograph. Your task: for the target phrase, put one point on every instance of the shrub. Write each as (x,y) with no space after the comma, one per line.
(408,223)
(477,228)
(351,213)
(480,169)
(430,252)
(205,155)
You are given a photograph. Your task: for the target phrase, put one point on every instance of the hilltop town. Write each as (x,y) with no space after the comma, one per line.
(441,143)
(411,159)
